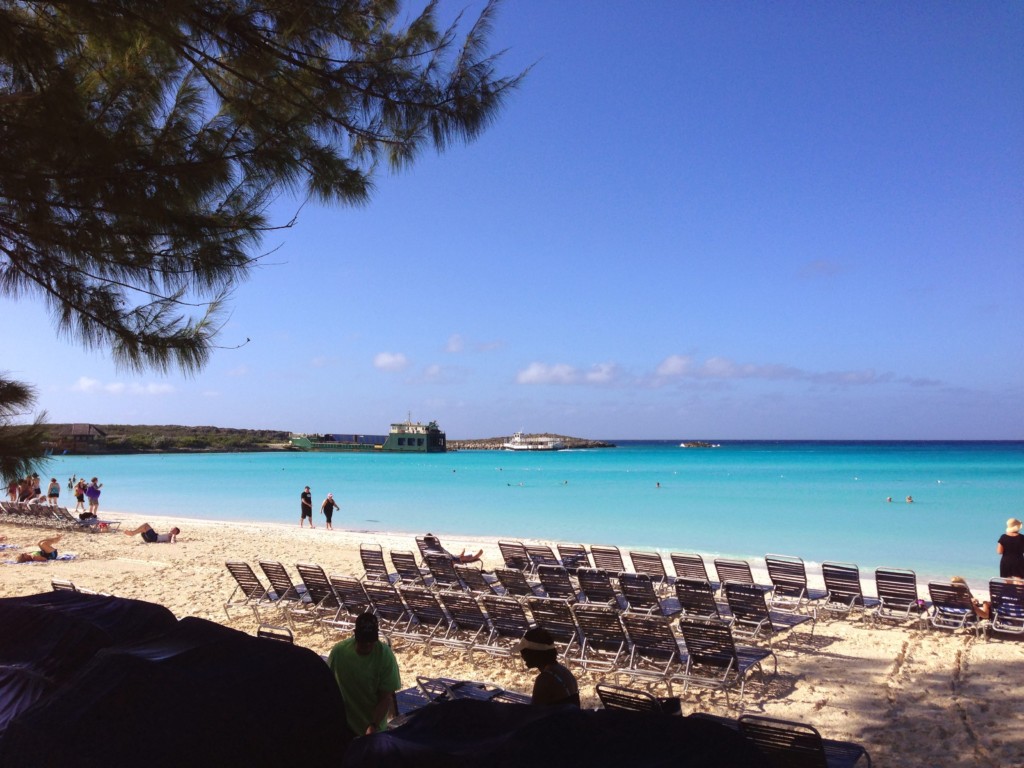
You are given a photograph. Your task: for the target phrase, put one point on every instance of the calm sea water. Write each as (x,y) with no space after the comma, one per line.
(817,500)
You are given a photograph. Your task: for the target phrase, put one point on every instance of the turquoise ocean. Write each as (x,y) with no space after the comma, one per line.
(817,500)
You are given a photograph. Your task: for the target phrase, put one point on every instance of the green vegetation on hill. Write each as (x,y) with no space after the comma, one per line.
(124,438)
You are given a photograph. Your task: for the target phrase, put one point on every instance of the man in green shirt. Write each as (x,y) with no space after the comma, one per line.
(367,674)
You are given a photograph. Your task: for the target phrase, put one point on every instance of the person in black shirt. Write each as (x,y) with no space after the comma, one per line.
(306,505)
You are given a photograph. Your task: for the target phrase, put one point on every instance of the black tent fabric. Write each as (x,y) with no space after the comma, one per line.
(195,694)
(499,735)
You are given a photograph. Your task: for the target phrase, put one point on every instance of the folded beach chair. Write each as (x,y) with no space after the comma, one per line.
(1007,598)
(446,689)
(63,585)
(557,618)
(573,556)
(556,582)
(508,622)
(372,557)
(655,653)
(604,646)
(751,616)
(953,607)
(597,588)
(845,594)
(714,659)
(607,558)
(515,555)
(789,577)
(897,596)
(470,630)
(407,569)
(737,571)
(641,597)
(323,606)
(691,566)
(624,699)
(697,599)
(786,743)
(652,564)
(514,582)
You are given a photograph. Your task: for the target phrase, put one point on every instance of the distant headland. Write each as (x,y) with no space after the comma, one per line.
(172,438)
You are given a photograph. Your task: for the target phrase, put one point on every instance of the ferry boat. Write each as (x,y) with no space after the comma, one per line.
(405,437)
(520,442)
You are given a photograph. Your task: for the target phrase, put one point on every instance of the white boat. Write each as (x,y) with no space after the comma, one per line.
(520,442)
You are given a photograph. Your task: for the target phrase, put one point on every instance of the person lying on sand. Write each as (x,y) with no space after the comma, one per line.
(152,537)
(46,551)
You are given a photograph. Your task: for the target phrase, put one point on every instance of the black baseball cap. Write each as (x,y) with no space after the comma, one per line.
(367,629)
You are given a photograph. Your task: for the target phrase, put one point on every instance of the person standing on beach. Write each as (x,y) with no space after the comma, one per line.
(306,507)
(53,492)
(1011,547)
(367,675)
(93,493)
(327,509)
(80,496)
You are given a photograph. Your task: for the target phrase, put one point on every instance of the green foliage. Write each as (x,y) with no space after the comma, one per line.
(21,445)
(142,140)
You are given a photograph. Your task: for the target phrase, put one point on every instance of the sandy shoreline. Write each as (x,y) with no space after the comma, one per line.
(913,697)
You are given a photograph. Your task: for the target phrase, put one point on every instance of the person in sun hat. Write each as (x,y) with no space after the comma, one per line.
(555,684)
(327,509)
(1011,547)
(367,676)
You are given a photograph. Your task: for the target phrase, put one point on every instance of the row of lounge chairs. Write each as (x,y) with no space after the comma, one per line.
(598,638)
(27,513)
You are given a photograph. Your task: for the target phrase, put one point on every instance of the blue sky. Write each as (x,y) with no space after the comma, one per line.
(720,220)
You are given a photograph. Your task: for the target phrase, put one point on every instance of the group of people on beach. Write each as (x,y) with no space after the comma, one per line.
(30,490)
(327,508)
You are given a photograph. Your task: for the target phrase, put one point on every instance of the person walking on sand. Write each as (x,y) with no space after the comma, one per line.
(306,507)
(327,509)
(1011,547)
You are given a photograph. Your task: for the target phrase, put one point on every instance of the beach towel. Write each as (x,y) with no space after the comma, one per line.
(65,556)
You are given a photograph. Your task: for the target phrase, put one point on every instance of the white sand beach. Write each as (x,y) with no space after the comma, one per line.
(912,697)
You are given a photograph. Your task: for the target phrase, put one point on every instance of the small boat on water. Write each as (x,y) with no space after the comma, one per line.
(405,437)
(698,444)
(521,442)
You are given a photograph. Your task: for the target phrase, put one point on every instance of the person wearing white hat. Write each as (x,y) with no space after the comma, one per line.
(1011,547)
(327,509)
(555,684)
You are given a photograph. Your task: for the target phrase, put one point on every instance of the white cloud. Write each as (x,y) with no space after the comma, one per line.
(432,372)
(542,373)
(238,371)
(85,384)
(674,365)
(390,361)
(118,388)
(455,344)
(602,373)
